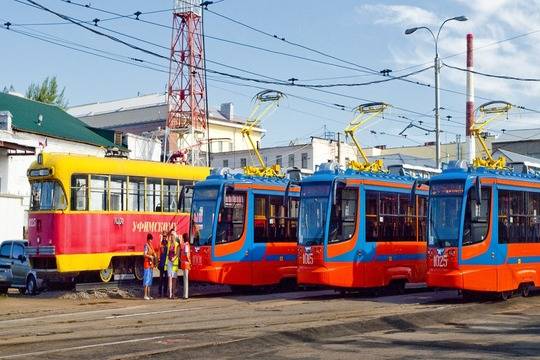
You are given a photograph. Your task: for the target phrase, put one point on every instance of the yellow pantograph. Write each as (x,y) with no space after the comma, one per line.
(266,102)
(364,113)
(489,112)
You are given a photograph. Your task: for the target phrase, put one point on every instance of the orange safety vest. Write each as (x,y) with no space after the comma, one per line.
(185,256)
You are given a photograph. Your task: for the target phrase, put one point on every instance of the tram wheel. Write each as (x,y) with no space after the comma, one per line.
(106,275)
(505,295)
(525,290)
(138,270)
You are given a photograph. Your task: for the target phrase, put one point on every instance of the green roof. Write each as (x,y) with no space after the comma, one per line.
(55,122)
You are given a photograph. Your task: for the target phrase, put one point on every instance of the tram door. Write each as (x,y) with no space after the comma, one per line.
(232,249)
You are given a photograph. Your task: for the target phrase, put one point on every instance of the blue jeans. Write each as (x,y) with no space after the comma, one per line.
(148,276)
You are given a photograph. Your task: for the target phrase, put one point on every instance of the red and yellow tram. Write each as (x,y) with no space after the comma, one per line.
(90,214)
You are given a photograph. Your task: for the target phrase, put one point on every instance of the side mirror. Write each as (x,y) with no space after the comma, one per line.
(478,189)
(417,183)
(22,258)
(287,189)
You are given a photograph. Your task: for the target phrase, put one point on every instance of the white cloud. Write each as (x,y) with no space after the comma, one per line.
(397,14)
(490,21)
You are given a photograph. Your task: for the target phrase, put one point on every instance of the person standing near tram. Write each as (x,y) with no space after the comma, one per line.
(185,257)
(173,255)
(149,258)
(161,265)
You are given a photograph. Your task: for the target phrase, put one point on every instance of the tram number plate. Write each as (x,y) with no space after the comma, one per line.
(196,260)
(440,261)
(307,259)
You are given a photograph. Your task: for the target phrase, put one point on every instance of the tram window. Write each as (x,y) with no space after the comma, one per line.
(231,217)
(372,221)
(273,222)
(153,195)
(98,192)
(476,217)
(186,189)
(518,214)
(47,195)
(344,214)
(170,195)
(533,207)
(136,194)
(422,205)
(79,192)
(390,218)
(294,206)
(118,193)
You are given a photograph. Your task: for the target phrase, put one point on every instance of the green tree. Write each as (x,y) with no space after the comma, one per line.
(8,89)
(47,93)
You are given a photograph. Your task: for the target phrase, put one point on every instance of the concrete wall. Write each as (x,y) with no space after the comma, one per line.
(14,217)
(143,148)
(529,148)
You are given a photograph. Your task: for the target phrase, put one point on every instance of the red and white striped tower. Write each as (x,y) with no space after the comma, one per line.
(186,94)
(470,101)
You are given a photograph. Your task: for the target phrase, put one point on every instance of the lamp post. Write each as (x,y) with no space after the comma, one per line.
(437,68)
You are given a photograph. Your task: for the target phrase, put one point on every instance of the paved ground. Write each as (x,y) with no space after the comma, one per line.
(315,324)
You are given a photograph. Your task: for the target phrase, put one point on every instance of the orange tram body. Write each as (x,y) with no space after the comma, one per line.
(360,229)
(484,233)
(244,230)
(90,214)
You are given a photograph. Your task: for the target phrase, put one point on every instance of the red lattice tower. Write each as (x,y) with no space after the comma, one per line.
(186,91)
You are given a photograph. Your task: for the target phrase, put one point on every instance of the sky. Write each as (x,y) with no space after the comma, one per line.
(355,34)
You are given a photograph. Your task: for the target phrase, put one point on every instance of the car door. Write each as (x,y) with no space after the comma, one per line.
(5,262)
(18,264)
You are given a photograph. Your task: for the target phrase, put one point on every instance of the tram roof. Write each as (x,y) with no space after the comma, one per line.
(240,178)
(458,173)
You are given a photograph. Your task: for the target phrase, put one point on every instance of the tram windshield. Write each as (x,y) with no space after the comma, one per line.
(203,214)
(47,195)
(313,210)
(446,199)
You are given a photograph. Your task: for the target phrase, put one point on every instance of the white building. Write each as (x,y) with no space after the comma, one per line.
(305,156)
(26,128)
(147,115)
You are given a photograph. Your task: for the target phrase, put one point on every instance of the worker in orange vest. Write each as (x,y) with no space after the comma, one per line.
(185,262)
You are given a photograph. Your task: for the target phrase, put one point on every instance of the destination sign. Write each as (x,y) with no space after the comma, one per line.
(446,188)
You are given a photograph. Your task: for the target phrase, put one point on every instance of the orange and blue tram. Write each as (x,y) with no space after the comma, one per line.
(244,230)
(484,231)
(361,229)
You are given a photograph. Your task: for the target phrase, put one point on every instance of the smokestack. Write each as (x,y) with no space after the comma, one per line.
(470,101)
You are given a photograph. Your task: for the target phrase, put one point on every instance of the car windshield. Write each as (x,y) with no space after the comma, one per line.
(313,209)
(445,200)
(203,212)
(47,195)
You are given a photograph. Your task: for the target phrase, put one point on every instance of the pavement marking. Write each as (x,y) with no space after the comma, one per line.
(154,312)
(68,314)
(79,347)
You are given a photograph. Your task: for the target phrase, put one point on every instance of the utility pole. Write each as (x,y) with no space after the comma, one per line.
(339,148)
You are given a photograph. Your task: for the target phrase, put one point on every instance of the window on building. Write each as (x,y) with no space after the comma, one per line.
(79,192)
(118,193)
(243,162)
(136,194)
(291,160)
(279,160)
(153,195)
(304,160)
(231,218)
(98,192)
(226,163)
(273,221)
